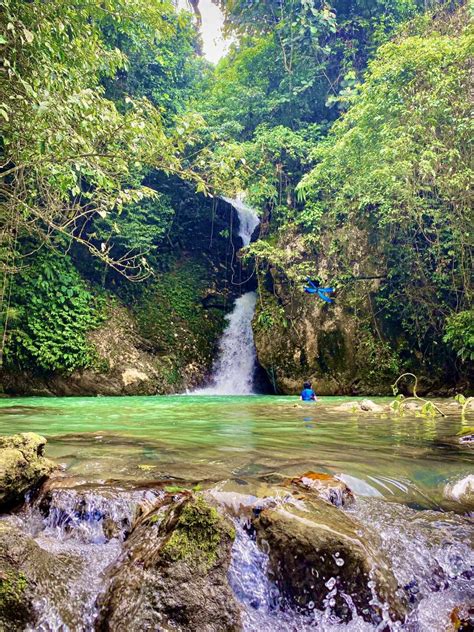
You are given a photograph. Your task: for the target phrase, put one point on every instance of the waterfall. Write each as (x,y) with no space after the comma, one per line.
(235,365)
(248,219)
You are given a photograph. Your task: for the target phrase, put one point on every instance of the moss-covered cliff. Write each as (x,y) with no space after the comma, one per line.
(348,346)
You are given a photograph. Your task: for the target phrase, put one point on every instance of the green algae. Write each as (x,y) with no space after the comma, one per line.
(22,466)
(197,535)
(13,600)
(12,589)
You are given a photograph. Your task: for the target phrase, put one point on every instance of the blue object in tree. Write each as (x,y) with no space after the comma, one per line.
(322,292)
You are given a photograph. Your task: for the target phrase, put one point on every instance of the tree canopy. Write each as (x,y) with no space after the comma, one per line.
(335,118)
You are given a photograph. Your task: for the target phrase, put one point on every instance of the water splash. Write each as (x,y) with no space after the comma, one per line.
(84,528)
(264,609)
(435,576)
(461,490)
(92,516)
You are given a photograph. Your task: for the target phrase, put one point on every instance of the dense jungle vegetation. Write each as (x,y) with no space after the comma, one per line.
(346,123)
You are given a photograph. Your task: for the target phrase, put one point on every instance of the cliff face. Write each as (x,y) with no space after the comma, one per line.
(126,364)
(348,346)
(323,343)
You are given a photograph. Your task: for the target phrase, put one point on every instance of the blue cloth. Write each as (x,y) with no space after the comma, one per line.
(307,394)
(324,297)
(322,292)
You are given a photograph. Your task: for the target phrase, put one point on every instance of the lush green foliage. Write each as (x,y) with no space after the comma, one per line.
(92,101)
(386,192)
(294,58)
(51,312)
(397,166)
(140,227)
(460,334)
(161,63)
(294,66)
(71,153)
(172,317)
(346,123)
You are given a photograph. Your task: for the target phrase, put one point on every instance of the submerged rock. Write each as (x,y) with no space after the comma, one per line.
(367,405)
(325,486)
(22,466)
(318,555)
(462,491)
(173,573)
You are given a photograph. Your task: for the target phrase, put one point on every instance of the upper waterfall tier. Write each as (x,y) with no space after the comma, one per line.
(248,219)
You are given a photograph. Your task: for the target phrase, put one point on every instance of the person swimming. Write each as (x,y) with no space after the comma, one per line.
(307,394)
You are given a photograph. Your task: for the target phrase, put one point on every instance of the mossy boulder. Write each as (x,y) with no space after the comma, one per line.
(173,573)
(15,603)
(22,466)
(318,554)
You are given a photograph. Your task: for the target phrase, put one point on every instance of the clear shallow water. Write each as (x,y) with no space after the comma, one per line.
(240,445)
(244,439)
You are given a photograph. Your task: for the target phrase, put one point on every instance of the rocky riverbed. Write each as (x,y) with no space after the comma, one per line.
(301,552)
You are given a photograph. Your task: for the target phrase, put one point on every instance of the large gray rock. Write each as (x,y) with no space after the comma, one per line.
(318,553)
(173,574)
(22,466)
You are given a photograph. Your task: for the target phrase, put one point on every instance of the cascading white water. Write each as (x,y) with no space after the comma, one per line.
(235,365)
(248,219)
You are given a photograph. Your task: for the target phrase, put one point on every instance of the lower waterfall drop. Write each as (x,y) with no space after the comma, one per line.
(235,366)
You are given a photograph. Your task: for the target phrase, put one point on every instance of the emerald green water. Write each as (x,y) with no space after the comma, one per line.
(208,439)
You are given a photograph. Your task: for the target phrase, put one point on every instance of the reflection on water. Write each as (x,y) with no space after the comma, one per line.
(405,459)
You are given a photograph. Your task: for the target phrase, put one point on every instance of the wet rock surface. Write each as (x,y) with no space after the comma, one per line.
(15,591)
(324,486)
(29,575)
(297,562)
(22,466)
(462,492)
(364,406)
(173,572)
(319,556)
(102,512)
